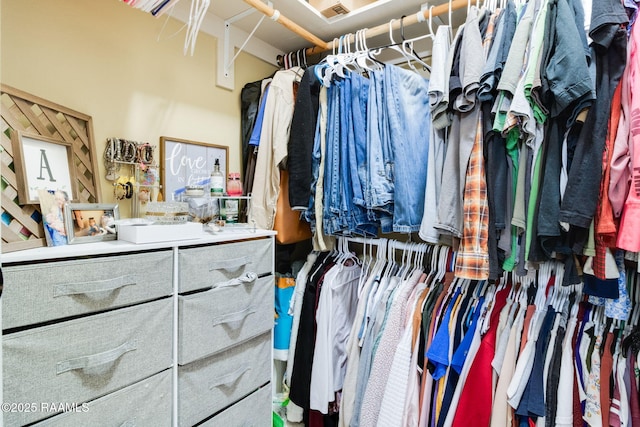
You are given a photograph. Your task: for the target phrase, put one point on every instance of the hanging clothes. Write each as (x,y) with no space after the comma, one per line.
(274,138)
(522,319)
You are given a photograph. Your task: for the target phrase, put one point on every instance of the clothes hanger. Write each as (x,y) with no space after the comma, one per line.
(402,264)
(435,261)
(335,68)
(423,253)
(197,13)
(363,55)
(407,45)
(408,50)
(160,10)
(347,58)
(323,70)
(345,254)
(442,262)
(298,60)
(393,45)
(417,255)
(290,58)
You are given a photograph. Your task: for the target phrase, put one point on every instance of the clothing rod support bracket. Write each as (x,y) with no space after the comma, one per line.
(225,77)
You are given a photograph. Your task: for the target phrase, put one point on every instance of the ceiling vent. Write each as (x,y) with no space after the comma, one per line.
(330,8)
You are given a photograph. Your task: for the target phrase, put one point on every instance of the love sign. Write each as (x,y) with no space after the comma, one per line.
(187,163)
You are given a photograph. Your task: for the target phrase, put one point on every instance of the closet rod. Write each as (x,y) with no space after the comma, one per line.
(364,240)
(287,23)
(321,46)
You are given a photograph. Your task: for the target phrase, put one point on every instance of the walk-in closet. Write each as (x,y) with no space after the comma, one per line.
(320,213)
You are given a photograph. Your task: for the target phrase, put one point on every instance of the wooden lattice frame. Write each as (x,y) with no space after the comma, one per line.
(22,224)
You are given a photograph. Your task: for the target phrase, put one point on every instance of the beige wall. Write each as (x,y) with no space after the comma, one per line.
(118,65)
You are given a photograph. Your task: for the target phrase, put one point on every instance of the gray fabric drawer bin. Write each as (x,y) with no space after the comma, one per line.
(82,359)
(46,291)
(252,411)
(209,385)
(202,268)
(216,319)
(144,404)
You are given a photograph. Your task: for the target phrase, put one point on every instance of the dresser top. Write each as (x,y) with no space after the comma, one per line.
(121,246)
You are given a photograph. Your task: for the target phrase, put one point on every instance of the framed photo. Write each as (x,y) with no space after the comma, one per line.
(42,163)
(91,222)
(53,205)
(187,163)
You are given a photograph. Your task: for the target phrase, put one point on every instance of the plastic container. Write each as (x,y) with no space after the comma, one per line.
(217,180)
(231,207)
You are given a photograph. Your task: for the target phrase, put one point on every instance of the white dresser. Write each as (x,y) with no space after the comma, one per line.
(117,334)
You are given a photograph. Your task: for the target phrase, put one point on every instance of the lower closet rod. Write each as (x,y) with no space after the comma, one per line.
(392,243)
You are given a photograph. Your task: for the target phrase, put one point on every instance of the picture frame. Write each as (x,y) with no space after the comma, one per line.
(52,206)
(42,163)
(91,222)
(188,163)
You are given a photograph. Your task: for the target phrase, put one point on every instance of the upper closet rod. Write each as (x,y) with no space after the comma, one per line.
(321,46)
(286,22)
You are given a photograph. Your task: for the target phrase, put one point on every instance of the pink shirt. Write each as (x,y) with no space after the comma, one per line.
(629,233)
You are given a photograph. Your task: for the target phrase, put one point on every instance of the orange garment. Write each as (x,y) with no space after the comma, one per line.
(606,229)
(525,328)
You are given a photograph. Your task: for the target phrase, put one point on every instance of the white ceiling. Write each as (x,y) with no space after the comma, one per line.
(299,11)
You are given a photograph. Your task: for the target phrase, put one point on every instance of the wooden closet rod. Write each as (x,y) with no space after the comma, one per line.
(321,45)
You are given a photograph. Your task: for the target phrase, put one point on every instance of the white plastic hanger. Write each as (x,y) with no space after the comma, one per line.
(394,46)
(197,13)
(407,45)
(363,56)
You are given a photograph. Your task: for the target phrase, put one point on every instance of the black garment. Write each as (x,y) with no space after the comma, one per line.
(564,107)
(427,315)
(250,169)
(546,225)
(249,103)
(495,153)
(553,380)
(301,140)
(306,343)
(610,44)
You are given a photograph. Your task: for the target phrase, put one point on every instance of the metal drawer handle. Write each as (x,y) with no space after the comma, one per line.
(96,360)
(128,423)
(231,378)
(234,319)
(246,278)
(93,287)
(231,264)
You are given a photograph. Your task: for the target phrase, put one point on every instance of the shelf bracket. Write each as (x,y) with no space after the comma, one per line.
(225,70)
